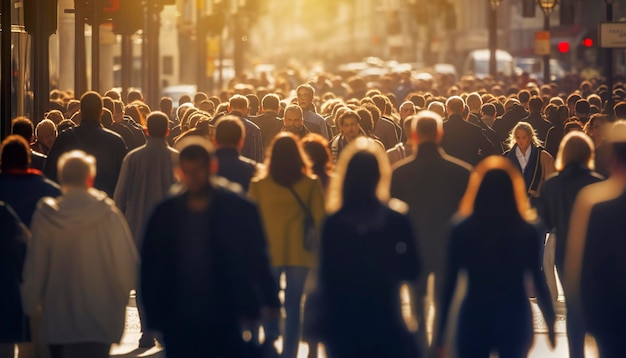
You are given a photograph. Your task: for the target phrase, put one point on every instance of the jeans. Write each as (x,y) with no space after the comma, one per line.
(295,278)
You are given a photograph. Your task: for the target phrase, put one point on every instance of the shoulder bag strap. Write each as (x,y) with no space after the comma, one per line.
(307,212)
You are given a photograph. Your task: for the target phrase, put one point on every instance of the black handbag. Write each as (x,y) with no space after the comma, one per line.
(310,236)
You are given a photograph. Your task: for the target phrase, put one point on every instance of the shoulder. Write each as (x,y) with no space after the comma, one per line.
(457,164)
(251,125)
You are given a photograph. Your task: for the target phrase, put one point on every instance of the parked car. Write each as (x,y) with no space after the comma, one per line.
(534,67)
(477,63)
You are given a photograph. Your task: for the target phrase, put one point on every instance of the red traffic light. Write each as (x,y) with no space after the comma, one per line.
(563,47)
(587,42)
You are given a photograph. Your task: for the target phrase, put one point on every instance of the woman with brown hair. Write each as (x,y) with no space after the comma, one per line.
(286,195)
(497,246)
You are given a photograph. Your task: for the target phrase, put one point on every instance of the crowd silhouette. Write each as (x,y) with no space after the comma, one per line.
(295,212)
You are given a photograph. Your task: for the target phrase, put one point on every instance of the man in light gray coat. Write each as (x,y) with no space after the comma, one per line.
(145,178)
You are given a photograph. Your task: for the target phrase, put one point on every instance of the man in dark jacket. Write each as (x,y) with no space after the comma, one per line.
(268,121)
(514,112)
(535,118)
(253,142)
(205,269)
(107,146)
(462,139)
(432,183)
(229,132)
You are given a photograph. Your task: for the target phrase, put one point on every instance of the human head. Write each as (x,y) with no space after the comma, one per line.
(496,189)
(55,116)
(293,119)
(207,106)
(582,108)
(253,100)
(349,124)
(166,105)
(91,107)
(427,127)
(474,102)
(134,95)
(535,104)
(238,103)
(365,120)
(76,169)
(316,148)
(407,108)
(488,110)
(305,94)
(438,108)
(106,118)
(24,127)
(158,124)
(524,96)
(595,128)
(455,105)
(571,102)
(15,153)
(362,176)
(576,147)
(46,133)
(523,134)
(199,97)
(270,103)
(112,94)
(286,163)
(229,132)
(194,170)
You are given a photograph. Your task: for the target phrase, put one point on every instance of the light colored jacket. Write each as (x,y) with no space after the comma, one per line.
(145,178)
(80,267)
(283,218)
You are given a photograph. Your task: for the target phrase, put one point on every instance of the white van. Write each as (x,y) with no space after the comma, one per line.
(477,63)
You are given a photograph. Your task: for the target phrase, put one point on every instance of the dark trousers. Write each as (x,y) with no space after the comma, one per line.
(80,350)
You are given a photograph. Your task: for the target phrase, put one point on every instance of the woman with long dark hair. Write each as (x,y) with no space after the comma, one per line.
(368,250)
(497,246)
(286,194)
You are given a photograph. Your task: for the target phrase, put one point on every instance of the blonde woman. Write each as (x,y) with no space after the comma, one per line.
(528,155)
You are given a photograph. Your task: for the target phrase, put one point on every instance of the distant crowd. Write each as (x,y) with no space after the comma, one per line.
(303,209)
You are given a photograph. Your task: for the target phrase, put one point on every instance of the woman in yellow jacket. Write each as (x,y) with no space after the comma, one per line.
(288,175)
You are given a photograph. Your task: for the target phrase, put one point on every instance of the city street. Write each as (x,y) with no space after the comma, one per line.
(128,346)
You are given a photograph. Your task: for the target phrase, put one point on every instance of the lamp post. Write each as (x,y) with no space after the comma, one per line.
(547,6)
(609,58)
(493,36)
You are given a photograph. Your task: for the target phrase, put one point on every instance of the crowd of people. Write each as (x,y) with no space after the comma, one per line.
(304,211)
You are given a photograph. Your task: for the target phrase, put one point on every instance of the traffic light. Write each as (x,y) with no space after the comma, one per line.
(129,18)
(40,15)
(587,42)
(563,47)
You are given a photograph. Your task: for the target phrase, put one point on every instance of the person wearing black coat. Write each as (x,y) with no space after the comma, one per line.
(205,271)
(558,195)
(14,327)
(268,121)
(496,245)
(503,125)
(232,165)
(462,139)
(367,251)
(535,118)
(603,277)
(432,183)
(106,146)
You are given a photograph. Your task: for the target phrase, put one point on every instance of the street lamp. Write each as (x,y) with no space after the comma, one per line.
(609,57)
(493,36)
(547,6)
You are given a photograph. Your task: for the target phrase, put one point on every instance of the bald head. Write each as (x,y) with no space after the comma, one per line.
(455,105)
(427,126)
